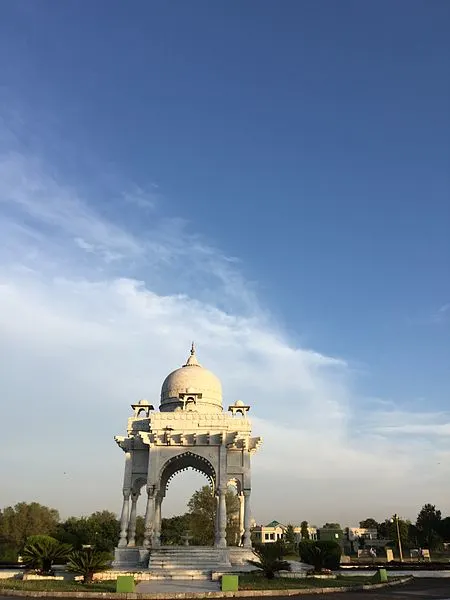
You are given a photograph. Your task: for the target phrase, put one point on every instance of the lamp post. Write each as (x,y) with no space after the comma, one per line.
(395,520)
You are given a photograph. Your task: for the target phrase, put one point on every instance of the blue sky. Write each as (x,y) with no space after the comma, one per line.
(277,172)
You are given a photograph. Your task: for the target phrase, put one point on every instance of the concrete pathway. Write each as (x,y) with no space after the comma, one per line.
(167,586)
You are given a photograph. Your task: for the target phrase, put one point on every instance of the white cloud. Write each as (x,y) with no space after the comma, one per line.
(81,340)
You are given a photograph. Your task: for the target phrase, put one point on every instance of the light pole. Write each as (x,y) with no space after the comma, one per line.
(395,520)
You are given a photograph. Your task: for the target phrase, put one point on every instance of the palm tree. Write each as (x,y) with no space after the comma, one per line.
(270,559)
(88,561)
(42,551)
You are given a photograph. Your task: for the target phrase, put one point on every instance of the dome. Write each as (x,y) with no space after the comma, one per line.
(191,378)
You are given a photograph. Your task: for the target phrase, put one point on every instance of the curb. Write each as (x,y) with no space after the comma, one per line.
(187,595)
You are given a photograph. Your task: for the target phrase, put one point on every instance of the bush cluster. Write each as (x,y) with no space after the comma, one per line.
(321,554)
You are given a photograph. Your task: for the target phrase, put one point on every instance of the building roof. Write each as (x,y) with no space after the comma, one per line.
(274,524)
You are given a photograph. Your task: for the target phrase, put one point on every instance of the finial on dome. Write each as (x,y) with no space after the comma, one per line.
(192,360)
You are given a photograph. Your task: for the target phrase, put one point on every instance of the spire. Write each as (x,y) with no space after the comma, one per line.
(192,360)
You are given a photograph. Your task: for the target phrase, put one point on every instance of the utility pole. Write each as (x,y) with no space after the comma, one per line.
(396,519)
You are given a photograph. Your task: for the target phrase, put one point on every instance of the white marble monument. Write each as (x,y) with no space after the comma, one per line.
(191,430)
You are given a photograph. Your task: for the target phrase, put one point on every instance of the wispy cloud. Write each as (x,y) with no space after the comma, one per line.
(145,200)
(442,314)
(27,187)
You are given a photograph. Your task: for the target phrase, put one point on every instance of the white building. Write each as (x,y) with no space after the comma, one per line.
(276,531)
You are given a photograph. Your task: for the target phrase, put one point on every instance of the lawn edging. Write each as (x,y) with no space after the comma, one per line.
(187,595)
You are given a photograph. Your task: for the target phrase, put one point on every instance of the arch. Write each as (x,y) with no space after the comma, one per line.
(138,483)
(182,462)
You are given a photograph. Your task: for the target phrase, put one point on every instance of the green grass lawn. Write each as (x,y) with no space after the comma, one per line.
(57,586)
(258,582)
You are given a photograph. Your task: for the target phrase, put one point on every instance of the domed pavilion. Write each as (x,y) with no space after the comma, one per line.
(190,430)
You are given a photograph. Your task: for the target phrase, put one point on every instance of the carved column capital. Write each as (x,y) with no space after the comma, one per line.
(151,491)
(126,493)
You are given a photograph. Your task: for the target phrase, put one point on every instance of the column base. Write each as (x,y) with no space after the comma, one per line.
(130,558)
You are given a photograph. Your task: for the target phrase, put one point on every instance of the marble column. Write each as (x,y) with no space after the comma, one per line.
(222,543)
(124,518)
(149,517)
(133,515)
(247,536)
(241,518)
(216,522)
(157,523)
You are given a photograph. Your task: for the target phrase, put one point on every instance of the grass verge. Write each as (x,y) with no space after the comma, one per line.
(57,586)
(258,582)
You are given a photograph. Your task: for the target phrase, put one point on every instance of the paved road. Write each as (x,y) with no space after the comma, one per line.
(420,589)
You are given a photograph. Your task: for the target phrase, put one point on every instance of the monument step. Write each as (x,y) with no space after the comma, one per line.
(191,549)
(181,574)
(185,565)
(177,559)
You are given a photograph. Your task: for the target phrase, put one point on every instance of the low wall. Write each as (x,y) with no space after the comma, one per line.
(9,574)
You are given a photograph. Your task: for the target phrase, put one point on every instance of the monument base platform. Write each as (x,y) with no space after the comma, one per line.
(182,562)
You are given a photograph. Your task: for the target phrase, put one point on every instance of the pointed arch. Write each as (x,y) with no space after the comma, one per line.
(182,462)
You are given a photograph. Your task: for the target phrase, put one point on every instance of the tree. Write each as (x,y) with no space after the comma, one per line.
(105,528)
(369,523)
(444,529)
(289,536)
(174,529)
(140,530)
(270,559)
(42,552)
(304,530)
(428,523)
(101,529)
(75,531)
(23,520)
(233,525)
(87,562)
(388,531)
(202,511)
(331,526)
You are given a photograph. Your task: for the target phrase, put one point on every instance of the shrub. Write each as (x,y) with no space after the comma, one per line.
(42,551)
(321,554)
(270,559)
(87,562)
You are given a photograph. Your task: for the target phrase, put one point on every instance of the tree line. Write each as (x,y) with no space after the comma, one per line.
(101,529)
(429,531)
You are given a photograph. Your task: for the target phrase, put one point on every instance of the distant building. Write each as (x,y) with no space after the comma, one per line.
(356,533)
(275,531)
